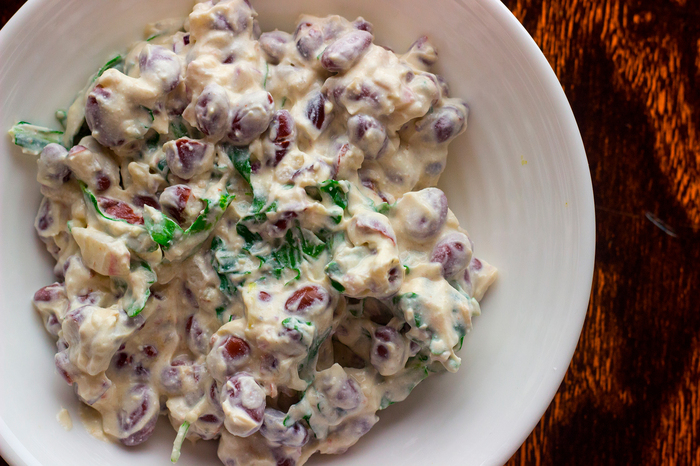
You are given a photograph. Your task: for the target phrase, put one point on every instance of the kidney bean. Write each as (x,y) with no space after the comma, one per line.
(308,39)
(150,351)
(368,134)
(444,87)
(161,65)
(174,199)
(443,125)
(424,51)
(251,117)
(344,394)
(372,225)
(274,44)
(186,157)
(362,25)
(212,110)
(342,54)
(307,297)
(243,402)
(119,209)
(234,349)
(282,134)
(277,434)
(100,118)
(141,200)
(102,182)
(316,111)
(197,339)
(52,165)
(387,351)
(453,252)
(426,222)
(44,217)
(140,402)
(64,367)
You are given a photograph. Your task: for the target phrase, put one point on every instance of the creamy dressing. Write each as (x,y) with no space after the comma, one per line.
(248,239)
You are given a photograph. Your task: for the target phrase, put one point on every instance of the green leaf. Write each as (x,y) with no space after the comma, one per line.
(152,142)
(335,190)
(32,139)
(92,200)
(240,157)
(158,34)
(134,300)
(161,229)
(249,237)
(337,286)
(178,128)
(177,444)
(115,62)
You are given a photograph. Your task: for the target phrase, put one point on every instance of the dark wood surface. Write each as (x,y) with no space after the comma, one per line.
(631,70)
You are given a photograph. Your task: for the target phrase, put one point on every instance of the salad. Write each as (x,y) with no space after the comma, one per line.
(248,237)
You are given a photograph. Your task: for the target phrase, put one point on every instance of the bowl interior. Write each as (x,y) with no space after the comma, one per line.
(518,180)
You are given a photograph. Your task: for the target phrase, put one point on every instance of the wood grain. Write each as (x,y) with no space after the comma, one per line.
(631,70)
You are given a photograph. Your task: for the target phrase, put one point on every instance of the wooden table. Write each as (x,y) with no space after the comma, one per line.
(631,70)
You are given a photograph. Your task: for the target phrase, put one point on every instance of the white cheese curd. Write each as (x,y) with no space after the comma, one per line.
(247,234)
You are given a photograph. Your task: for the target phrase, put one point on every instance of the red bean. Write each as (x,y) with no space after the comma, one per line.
(282,134)
(251,117)
(342,54)
(362,25)
(99,118)
(234,348)
(174,201)
(452,252)
(185,157)
(306,297)
(197,339)
(212,110)
(277,434)
(316,111)
(44,217)
(371,225)
(102,182)
(119,209)
(443,125)
(150,351)
(425,52)
(242,392)
(64,366)
(264,297)
(308,39)
(368,134)
(52,165)
(141,200)
(132,414)
(423,224)
(160,64)
(274,44)
(347,395)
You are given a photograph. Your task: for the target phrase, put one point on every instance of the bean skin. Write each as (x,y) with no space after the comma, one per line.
(307,297)
(252,115)
(342,54)
(368,134)
(212,110)
(274,44)
(187,158)
(452,252)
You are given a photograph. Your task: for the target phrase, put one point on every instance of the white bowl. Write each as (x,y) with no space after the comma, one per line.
(518,180)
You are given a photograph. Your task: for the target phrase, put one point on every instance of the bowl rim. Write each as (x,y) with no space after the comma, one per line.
(14,452)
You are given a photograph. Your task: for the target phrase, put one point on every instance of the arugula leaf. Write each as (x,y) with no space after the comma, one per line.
(161,228)
(249,237)
(240,157)
(179,439)
(115,62)
(135,300)
(178,128)
(335,190)
(32,139)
